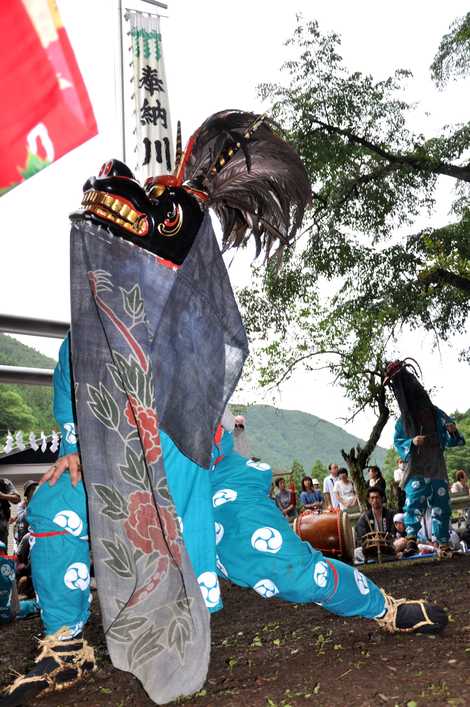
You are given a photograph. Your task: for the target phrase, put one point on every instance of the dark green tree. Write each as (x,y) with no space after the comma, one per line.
(15,414)
(372,175)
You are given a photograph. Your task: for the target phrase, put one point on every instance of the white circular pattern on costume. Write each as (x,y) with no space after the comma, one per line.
(266,539)
(415,484)
(7,571)
(320,574)
(441,491)
(259,466)
(409,530)
(210,589)
(69,521)
(71,435)
(362,583)
(223,496)
(77,576)
(219,532)
(180,523)
(220,566)
(266,588)
(436,512)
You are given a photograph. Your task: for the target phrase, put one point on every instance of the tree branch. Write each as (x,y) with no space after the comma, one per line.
(419,164)
(440,275)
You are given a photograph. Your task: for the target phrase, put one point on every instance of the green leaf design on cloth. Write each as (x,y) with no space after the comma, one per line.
(135,469)
(120,560)
(179,633)
(146,646)
(103,406)
(115,506)
(123,626)
(133,303)
(134,380)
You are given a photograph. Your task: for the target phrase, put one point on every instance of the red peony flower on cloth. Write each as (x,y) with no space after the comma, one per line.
(149,530)
(145,420)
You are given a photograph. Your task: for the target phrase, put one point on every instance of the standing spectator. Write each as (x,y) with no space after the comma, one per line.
(329,485)
(460,484)
(377,481)
(399,471)
(21,522)
(344,490)
(283,500)
(398,490)
(8,495)
(311,497)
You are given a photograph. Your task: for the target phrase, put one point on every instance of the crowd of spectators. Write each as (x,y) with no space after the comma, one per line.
(17,595)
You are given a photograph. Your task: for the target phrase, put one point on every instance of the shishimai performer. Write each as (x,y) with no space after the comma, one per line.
(156,349)
(422,433)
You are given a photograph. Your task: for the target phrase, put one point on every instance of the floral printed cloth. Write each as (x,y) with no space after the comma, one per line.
(153,345)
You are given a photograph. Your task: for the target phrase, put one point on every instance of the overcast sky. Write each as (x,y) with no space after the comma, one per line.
(216,54)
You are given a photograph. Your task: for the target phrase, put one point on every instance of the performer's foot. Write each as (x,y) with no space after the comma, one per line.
(444,552)
(411,548)
(60,664)
(412,616)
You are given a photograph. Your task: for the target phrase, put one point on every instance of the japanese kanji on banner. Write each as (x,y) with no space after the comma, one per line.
(152,111)
(45,107)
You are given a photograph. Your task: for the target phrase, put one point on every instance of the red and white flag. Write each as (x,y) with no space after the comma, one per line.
(46,111)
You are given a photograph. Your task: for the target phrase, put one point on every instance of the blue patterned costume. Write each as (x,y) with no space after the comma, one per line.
(231,529)
(425,479)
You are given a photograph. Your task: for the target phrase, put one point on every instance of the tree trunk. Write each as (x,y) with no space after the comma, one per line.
(358,457)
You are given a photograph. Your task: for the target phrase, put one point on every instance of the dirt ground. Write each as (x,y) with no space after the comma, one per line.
(271,654)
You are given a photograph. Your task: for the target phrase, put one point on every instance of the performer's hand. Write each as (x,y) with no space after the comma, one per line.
(419,440)
(70,462)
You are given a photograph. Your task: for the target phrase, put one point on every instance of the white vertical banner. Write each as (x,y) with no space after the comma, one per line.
(152,150)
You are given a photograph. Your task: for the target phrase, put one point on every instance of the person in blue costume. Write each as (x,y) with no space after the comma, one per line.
(422,433)
(229,526)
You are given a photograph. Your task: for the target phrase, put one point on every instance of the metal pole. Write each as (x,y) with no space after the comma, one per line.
(33,327)
(28,376)
(156,3)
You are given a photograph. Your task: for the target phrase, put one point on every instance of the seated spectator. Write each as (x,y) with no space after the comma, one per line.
(460,484)
(10,607)
(23,568)
(377,481)
(400,532)
(8,495)
(344,491)
(311,497)
(377,517)
(21,523)
(284,500)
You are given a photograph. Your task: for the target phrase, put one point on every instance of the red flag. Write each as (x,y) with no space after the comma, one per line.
(45,107)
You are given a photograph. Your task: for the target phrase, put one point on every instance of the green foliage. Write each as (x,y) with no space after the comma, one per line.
(24,407)
(372,175)
(452,60)
(390,464)
(319,471)
(297,472)
(15,414)
(459,457)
